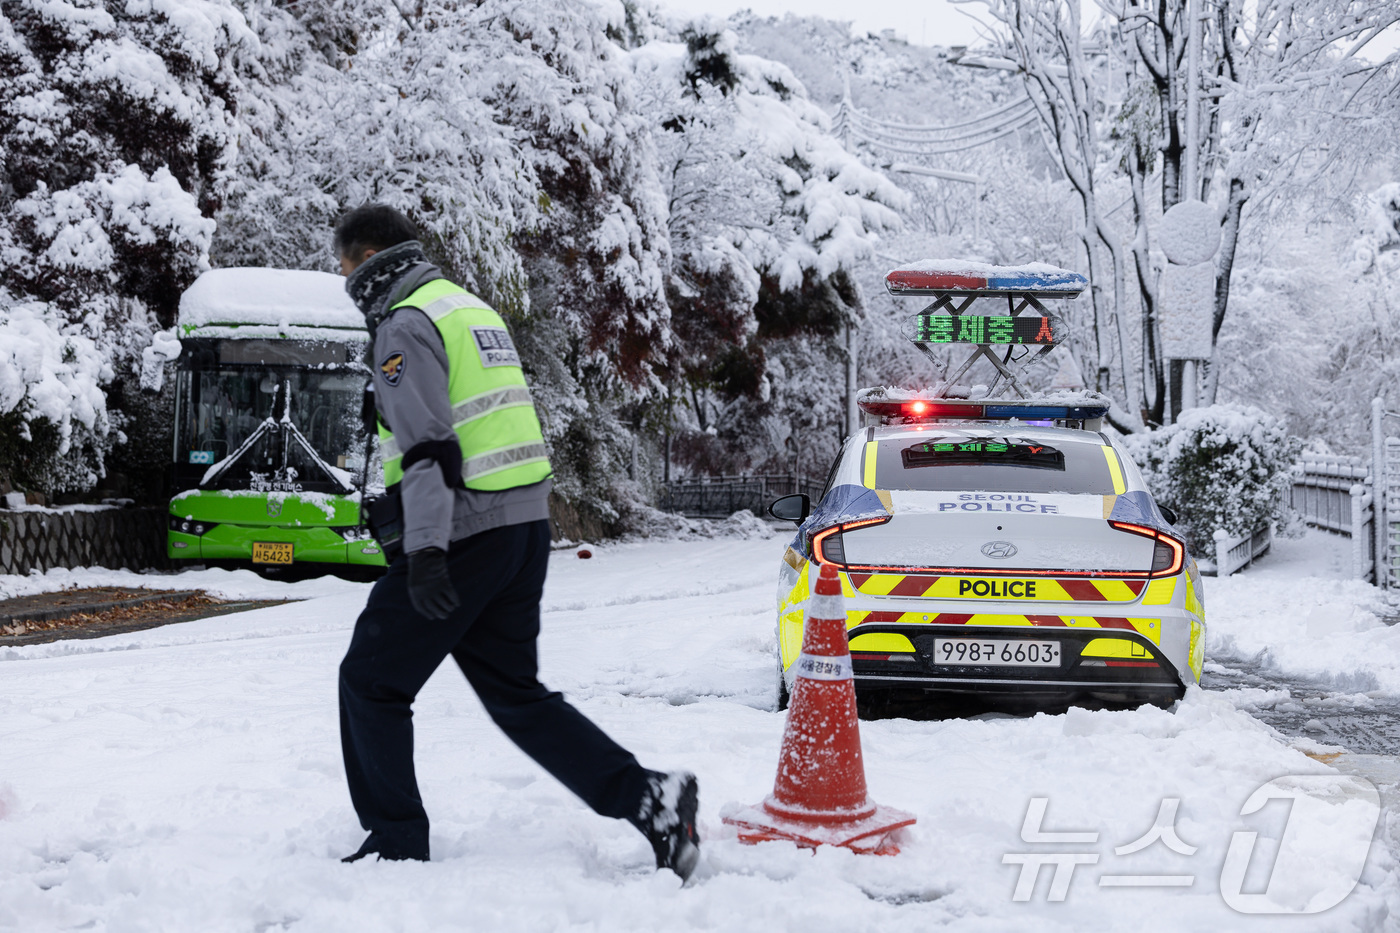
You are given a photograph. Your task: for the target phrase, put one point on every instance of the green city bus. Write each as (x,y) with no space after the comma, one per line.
(270,450)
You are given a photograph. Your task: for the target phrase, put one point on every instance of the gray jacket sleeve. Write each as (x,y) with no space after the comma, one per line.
(410,391)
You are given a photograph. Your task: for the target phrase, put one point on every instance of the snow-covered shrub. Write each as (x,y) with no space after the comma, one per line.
(53,414)
(1226,466)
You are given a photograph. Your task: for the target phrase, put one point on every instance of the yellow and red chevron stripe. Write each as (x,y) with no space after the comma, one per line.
(1152,628)
(1048,589)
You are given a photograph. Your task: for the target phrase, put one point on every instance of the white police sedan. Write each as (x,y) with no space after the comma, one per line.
(1007,550)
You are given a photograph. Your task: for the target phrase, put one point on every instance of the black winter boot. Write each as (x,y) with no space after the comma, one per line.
(374,845)
(666,817)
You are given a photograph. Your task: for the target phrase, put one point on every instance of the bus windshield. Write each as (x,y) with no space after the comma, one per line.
(221,408)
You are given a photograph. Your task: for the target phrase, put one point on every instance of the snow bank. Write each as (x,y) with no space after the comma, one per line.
(221,584)
(1296,611)
(198,786)
(646,523)
(277,298)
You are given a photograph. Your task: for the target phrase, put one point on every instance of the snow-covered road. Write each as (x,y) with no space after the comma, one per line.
(188,778)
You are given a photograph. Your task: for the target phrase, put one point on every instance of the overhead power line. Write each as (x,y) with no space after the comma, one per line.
(988,117)
(941,147)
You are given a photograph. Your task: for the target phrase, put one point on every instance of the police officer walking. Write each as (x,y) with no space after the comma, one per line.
(465,527)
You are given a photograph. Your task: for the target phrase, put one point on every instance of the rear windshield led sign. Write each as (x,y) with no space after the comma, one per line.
(985,329)
(982,452)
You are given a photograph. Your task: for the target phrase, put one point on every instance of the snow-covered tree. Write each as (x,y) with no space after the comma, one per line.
(508,131)
(1269,101)
(117,131)
(769,218)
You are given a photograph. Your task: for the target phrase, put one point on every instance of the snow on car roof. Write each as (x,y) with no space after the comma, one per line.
(968,277)
(249,302)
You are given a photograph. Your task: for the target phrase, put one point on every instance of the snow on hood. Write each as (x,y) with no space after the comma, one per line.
(278,299)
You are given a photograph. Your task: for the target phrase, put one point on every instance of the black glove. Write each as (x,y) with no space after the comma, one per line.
(430,589)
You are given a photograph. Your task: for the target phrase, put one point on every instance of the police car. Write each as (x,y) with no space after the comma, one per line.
(1004,548)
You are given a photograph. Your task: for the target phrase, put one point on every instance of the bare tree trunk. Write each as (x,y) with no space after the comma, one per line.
(1155,396)
(1229,239)
(1100,364)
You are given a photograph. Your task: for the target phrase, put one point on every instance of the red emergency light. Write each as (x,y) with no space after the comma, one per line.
(921,409)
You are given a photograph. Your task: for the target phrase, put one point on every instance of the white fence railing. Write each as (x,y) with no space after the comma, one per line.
(1346,496)
(1322,490)
(1363,538)
(1231,553)
(1333,493)
(1390,554)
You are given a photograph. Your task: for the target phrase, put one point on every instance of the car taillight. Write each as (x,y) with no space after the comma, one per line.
(833,550)
(828,546)
(1168,553)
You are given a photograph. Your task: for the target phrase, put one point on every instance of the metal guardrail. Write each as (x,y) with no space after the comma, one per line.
(722,496)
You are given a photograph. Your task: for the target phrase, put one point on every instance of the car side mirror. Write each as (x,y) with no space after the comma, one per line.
(1168,514)
(791,508)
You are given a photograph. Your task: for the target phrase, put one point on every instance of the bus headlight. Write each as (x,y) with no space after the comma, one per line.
(189,526)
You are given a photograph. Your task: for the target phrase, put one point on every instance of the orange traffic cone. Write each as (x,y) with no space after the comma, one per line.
(819,796)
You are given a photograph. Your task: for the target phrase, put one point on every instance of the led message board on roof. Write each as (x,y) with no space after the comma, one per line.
(993,451)
(986,329)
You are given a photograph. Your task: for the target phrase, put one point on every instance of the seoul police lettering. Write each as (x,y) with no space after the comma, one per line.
(1019,589)
(998,502)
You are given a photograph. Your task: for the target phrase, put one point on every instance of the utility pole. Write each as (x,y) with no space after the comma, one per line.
(1191,183)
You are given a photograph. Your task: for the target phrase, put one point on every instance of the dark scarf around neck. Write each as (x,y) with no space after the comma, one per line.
(372,283)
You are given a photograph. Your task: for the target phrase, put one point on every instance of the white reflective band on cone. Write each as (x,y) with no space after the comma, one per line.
(819,667)
(821,606)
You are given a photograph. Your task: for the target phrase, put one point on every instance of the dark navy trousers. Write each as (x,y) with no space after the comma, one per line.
(499,576)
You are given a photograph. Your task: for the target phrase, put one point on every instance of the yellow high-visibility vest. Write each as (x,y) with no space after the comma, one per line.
(492,412)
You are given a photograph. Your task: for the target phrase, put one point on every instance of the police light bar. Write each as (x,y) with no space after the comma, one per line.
(959,277)
(912,411)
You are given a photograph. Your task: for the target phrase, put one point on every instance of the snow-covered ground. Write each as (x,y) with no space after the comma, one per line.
(189,778)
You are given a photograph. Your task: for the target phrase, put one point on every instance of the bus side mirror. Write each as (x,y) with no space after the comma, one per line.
(791,508)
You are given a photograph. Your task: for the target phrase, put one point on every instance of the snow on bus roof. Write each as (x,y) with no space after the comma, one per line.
(968,277)
(285,301)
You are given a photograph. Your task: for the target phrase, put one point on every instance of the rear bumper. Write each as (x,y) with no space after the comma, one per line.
(1047,692)
(310,544)
(1141,672)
